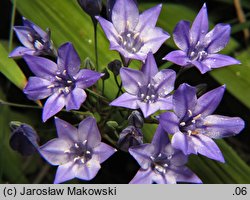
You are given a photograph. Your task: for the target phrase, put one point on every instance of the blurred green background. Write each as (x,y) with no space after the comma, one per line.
(68,23)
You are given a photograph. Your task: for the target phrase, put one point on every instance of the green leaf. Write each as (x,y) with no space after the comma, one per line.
(10,69)
(10,168)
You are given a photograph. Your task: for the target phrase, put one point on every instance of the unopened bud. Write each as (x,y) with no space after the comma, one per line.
(106,74)
(130,136)
(115,67)
(136,119)
(91,7)
(24,138)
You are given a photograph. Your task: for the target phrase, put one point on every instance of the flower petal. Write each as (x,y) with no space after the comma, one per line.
(109,30)
(148,108)
(153,39)
(207,147)
(54,151)
(217,126)
(125,14)
(41,67)
(181,142)
(181,35)
(184,174)
(160,140)
(170,122)
(68,59)
(202,66)
(184,100)
(103,151)
(200,26)
(209,101)
(126,100)
(165,103)
(89,170)
(75,99)
(86,78)
(24,33)
(88,130)
(178,57)
(148,19)
(65,172)
(150,68)
(21,51)
(217,38)
(132,79)
(142,154)
(142,177)
(164,81)
(66,130)
(218,60)
(37,88)
(36,28)
(53,105)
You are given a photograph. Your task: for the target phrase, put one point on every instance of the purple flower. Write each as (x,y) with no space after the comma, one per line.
(160,162)
(78,152)
(35,40)
(63,82)
(192,125)
(147,89)
(131,34)
(198,46)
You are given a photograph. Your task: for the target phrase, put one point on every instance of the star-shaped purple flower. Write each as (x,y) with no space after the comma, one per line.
(192,125)
(35,40)
(160,162)
(132,34)
(63,82)
(78,152)
(148,89)
(198,47)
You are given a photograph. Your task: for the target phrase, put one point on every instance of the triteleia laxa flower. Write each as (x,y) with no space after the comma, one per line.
(64,82)
(160,162)
(198,47)
(194,127)
(78,152)
(148,89)
(132,34)
(35,40)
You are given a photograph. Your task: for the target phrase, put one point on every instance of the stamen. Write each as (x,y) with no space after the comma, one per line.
(129,35)
(165,165)
(82,160)
(69,81)
(64,72)
(136,35)
(152,158)
(58,78)
(76,158)
(189,132)
(85,141)
(87,152)
(50,86)
(197,117)
(190,113)
(67,151)
(66,89)
(182,123)
(193,121)
(76,145)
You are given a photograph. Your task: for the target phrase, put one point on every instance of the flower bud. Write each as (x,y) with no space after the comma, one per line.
(115,67)
(106,74)
(91,7)
(136,119)
(130,136)
(24,138)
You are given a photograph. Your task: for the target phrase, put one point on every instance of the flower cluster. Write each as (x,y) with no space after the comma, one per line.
(179,112)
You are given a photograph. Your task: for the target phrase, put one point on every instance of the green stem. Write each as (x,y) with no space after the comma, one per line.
(119,85)
(98,95)
(96,50)
(38,107)
(13,14)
